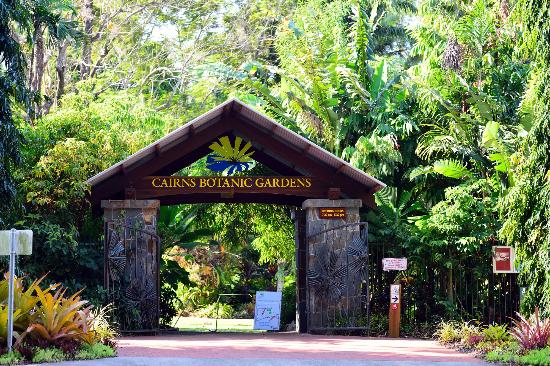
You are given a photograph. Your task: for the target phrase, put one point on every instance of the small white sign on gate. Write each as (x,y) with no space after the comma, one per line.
(394,264)
(267,313)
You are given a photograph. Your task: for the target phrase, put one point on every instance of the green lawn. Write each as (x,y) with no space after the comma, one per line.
(209,325)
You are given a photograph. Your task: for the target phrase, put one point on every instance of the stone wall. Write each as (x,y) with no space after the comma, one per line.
(333,287)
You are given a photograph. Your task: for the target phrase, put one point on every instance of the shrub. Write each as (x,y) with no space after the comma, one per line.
(532,333)
(92,352)
(496,356)
(470,335)
(48,355)
(102,324)
(69,347)
(473,340)
(496,333)
(24,301)
(57,317)
(499,346)
(485,346)
(379,324)
(447,332)
(11,358)
(216,310)
(540,357)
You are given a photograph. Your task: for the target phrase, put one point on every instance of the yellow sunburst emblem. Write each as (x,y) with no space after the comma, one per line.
(230,158)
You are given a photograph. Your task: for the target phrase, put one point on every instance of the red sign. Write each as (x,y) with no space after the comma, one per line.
(332,213)
(503,259)
(394,306)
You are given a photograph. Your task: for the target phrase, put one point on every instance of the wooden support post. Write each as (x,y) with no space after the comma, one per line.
(299,217)
(395,311)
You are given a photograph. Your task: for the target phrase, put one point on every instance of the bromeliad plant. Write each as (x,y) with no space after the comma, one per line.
(47,322)
(532,333)
(58,317)
(24,300)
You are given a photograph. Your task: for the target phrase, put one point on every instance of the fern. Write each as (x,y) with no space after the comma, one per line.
(452,169)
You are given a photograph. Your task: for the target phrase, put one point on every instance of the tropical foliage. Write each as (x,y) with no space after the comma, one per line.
(445,101)
(50,326)
(527,343)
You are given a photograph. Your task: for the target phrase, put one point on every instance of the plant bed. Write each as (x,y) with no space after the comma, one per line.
(50,326)
(25,354)
(527,343)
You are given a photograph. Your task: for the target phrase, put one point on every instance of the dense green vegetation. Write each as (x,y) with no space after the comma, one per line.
(445,101)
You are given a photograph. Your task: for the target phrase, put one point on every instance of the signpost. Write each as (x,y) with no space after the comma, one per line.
(14,242)
(267,313)
(395,311)
(394,264)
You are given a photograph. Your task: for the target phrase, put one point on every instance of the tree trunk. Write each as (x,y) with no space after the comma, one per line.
(60,69)
(450,291)
(38,74)
(88,17)
(280,277)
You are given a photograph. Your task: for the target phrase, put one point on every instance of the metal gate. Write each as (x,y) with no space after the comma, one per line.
(132,253)
(338,280)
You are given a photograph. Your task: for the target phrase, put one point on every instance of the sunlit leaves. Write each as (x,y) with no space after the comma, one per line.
(452,169)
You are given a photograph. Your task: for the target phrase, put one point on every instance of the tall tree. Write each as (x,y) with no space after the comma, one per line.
(12,89)
(50,27)
(87,18)
(526,209)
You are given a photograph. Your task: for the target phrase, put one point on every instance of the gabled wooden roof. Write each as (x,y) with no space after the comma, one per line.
(275,146)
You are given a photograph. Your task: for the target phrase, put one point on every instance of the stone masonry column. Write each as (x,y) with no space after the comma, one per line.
(330,297)
(132,260)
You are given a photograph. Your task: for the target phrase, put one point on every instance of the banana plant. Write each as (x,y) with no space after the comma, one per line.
(178,221)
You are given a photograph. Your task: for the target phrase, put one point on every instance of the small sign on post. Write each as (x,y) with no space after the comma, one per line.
(395,311)
(332,213)
(394,264)
(14,242)
(503,259)
(267,312)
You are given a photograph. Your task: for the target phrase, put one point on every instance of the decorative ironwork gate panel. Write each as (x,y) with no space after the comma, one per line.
(338,279)
(132,250)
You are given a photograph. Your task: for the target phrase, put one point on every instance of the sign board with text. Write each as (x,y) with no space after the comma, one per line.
(267,312)
(332,212)
(394,264)
(503,259)
(395,294)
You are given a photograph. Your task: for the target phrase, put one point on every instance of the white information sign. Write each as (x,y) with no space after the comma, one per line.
(12,243)
(23,242)
(394,294)
(267,313)
(394,264)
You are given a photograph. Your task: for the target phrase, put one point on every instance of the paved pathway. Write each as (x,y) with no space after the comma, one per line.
(279,349)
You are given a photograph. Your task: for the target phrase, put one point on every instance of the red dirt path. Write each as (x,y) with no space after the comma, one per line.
(287,346)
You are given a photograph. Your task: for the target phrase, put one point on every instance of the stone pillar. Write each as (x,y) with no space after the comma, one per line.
(132,261)
(331,293)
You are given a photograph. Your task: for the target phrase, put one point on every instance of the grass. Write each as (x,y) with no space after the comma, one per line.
(193,324)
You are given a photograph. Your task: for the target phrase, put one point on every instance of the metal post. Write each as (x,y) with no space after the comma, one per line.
(10,289)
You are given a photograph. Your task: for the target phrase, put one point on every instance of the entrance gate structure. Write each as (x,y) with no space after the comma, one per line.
(326,192)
